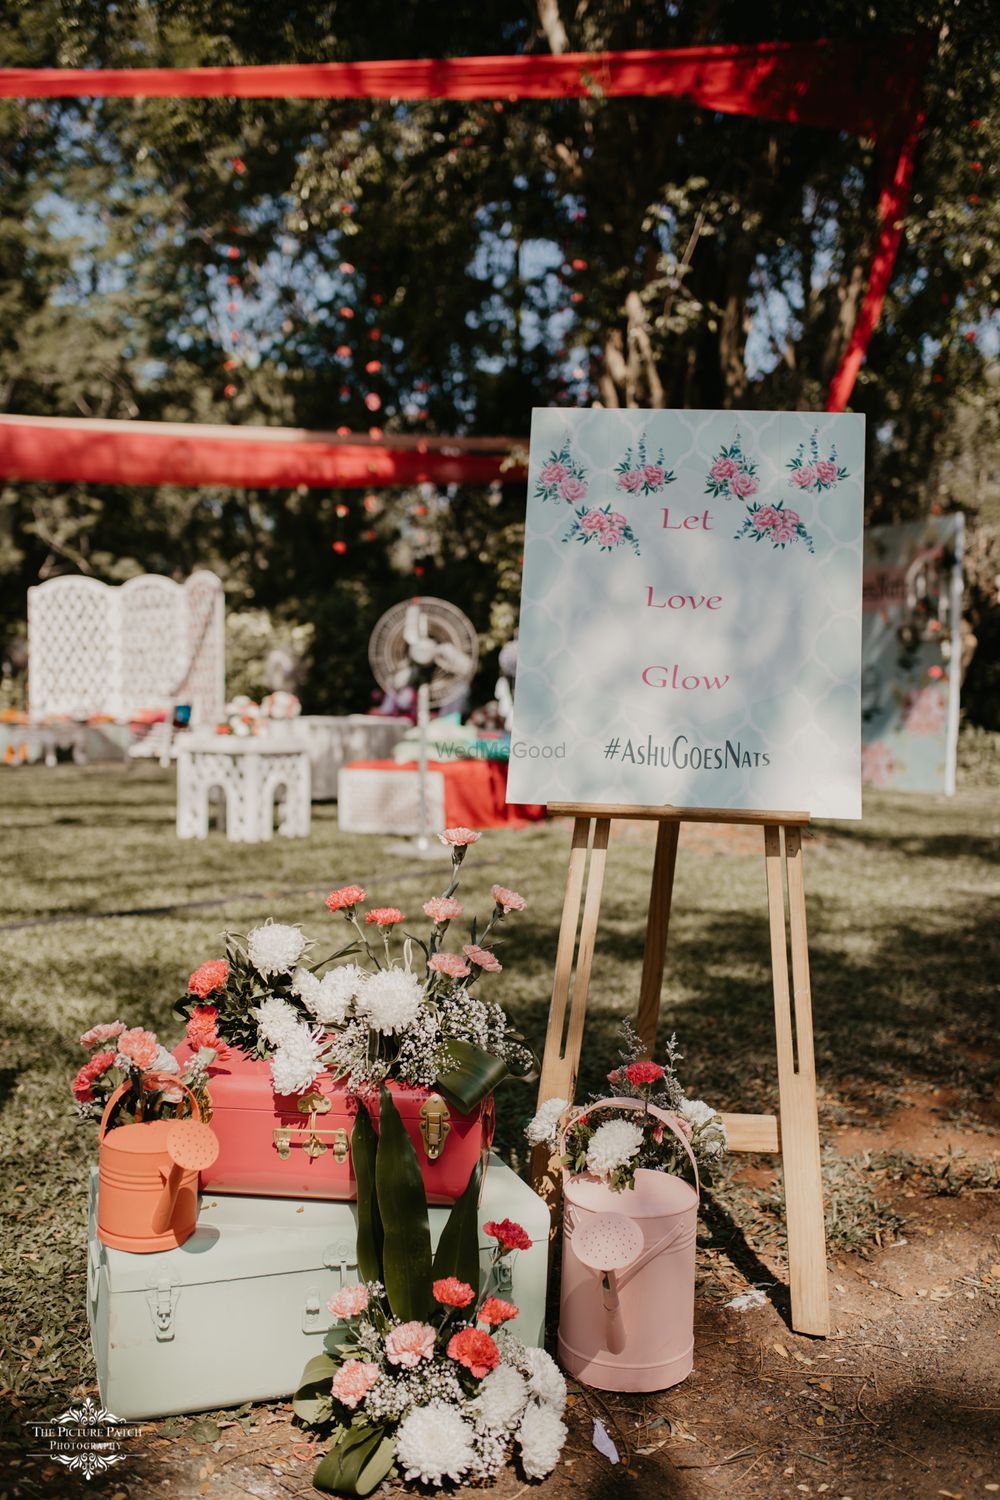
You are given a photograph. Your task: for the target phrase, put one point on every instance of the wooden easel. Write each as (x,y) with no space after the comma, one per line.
(795,1130)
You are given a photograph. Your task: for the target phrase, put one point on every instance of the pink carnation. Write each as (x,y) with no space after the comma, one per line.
(483,958)
(509,900)
(826,472)
(804,477)
(448,963)
(82,1089)
(209,977)
(654,474)
(349,1301)
(347,897)
(140,1047)
(573,489)
(459,837)
(765,518)
(724,468)
(408,1344)
(106,1032)
(592,521)
(443,909)
(743,485)
(553,474)
(384,916)
(631,480)
(354,1380)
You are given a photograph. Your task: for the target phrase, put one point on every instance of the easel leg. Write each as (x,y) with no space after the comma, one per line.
(561,1059)
(657,927)
(799,1123)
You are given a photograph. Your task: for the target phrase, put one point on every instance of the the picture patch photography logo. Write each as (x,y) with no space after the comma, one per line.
(86,1438)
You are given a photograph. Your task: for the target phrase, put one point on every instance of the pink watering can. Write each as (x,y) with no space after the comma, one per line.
(148,1188)
(626,1318)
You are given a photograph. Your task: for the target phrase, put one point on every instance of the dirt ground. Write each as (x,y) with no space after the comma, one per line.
(902,1399)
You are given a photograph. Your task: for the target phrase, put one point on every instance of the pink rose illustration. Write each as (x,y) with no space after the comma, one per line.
(792,516)
(782,532)
(654,474)
(826,472)
(724,468)
(805,477)
(553,474)
(743,485)
(573,489)
(593,520)
(631,480)
(765,518)
(617,520)
(608,537)
(878,765)
(925,711)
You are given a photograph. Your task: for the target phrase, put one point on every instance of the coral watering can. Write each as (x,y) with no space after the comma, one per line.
(626,1318)
(148,1195)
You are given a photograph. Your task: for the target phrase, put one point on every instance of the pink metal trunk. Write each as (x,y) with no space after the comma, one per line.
(293,1146)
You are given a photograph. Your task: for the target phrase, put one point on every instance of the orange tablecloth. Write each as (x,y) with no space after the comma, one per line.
(474,792)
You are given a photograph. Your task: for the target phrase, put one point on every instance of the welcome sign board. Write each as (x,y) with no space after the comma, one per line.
(691,611)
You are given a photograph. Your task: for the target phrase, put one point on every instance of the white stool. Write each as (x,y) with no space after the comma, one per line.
(249,774)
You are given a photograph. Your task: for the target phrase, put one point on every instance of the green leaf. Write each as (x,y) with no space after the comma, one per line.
(314,1386)
(402,1205)
(377,1467)
(476,1073)
(458,1248)
(340,1470)
(364,1145)
(333,1340)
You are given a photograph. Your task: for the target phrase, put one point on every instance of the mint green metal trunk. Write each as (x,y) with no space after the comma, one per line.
(235,1312)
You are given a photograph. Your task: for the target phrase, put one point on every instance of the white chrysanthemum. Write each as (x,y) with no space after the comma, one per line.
(297,1061)
(501,1399)
(545,1379)
(612,1145)
(276,1020)
(541,1437)
(712,1137)
(434,1443)
(336,991)
(275,948)
(543,1130)
(165,1062)
(305,984)
(390,1000)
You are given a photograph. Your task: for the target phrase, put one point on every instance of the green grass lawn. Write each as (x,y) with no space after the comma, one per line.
(106,913)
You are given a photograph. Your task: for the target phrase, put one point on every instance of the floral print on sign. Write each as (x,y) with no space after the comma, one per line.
(777,524)
(733,476)
(814,474)
(562,477)
(637,476)
(607,527)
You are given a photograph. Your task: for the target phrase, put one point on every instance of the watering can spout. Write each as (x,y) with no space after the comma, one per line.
(191,1147)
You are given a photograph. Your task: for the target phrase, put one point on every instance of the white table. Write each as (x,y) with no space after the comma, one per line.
(250,774)
(333,740)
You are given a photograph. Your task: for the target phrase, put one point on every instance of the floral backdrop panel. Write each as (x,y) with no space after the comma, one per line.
(910,654)
(691,611)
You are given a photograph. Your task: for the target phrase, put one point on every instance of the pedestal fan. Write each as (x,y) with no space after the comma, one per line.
(429,645)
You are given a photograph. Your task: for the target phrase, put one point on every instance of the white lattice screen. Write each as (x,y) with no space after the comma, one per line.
(98,649)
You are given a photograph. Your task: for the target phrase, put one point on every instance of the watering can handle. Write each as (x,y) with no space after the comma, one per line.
(627,1103)
(172,1078)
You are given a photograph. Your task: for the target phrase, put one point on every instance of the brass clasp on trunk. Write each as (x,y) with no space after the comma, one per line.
(312,1139)
(435,1123)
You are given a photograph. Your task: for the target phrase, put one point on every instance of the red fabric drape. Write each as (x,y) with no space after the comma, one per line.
(866,88)
(475,792)
(66,449)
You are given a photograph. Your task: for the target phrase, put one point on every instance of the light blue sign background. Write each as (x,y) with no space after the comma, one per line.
(786,630)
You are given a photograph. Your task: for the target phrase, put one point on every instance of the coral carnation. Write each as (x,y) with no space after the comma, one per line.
(495,1310)
(442,909)
(346,898)
(458,838)
(202,1029)
(483,958)
(354,1380)
(140,1047)
(642,1074)
(103,1033)
(511,1236)
(384,916)
(475,1350)
(509,900)
(209,977)
(349,1301)
(82,1090)
(448,963)
(452,1292)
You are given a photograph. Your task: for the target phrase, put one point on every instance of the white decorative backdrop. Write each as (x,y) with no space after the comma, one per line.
(94,648)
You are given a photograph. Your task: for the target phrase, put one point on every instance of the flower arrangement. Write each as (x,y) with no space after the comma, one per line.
(733,476)
(408,1011)
(637,476)
(815,474)
(607,527)
(562,477)
(421,1379)
(777,524)
(614,1144)
(130,1055)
